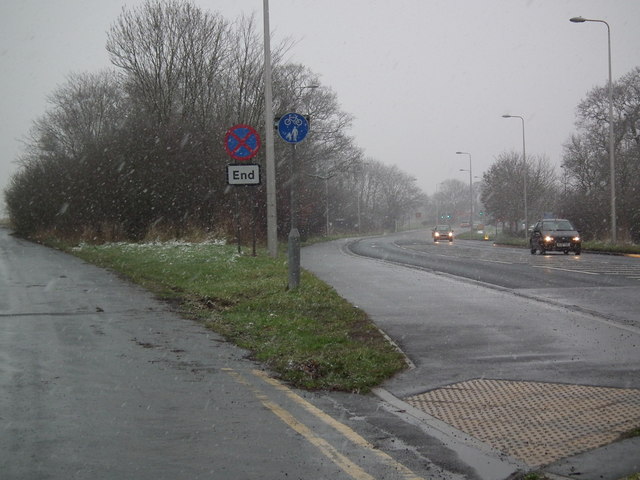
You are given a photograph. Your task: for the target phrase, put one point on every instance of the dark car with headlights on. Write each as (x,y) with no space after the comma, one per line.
(442,232)
(555,234)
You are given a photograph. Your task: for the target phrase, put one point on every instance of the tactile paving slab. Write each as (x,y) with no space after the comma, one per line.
(537,423)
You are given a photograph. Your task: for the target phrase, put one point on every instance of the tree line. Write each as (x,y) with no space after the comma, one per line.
(585,184)
(137,149)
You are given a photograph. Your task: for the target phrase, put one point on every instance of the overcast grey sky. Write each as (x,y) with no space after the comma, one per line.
(423,78)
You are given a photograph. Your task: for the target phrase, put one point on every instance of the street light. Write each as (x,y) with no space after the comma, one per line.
(272,221)
(524,168)
(470,190)
(326,177)
(612,163)
(437,198)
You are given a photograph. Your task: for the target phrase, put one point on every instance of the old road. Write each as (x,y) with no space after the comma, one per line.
(99,380)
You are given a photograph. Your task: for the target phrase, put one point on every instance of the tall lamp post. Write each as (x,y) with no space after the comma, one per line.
(437,198)
(326,177)
(470,190)
(272,216)
(612,163)
(524,170)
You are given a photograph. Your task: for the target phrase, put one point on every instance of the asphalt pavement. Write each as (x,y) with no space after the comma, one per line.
(464,338)
(100,380)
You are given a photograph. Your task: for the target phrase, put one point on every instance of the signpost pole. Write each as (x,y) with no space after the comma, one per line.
(253,222)
(293,128)
(293,251)
(237,218)
(242,143)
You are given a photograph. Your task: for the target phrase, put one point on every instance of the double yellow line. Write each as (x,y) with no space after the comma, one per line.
(349,467)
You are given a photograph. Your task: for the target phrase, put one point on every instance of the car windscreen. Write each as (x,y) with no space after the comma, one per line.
(559,225)
(564,225)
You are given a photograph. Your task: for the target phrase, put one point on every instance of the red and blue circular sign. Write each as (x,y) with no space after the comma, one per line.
(242,142)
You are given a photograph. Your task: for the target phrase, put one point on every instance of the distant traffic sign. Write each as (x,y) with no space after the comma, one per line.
(242,142)
(293,127)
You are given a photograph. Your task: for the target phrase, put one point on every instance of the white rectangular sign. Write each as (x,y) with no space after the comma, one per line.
(245,174)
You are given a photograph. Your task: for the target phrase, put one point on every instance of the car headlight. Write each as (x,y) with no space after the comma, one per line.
(436,234)
(548,238)
(576,239)
(451,234)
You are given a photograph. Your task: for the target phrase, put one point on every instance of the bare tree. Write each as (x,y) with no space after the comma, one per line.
(542,186)
(70,159)
(452,200)
(172,53)
(503,187)
(586,159)
(386,194)
(504,184)
(142,148)
(86,109)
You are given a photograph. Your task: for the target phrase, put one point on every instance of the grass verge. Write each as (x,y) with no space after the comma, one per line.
(311,337)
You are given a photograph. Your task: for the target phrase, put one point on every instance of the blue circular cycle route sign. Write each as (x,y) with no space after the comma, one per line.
(293,127)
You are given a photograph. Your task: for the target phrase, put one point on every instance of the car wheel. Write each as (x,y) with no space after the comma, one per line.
(577,252)
(533,249)
(566,252)
(542,251)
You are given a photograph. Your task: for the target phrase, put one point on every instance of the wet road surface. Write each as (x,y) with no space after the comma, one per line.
(456,330)
(100,380)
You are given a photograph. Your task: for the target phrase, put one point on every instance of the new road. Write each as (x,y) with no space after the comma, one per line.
(537,357)
(606,285)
